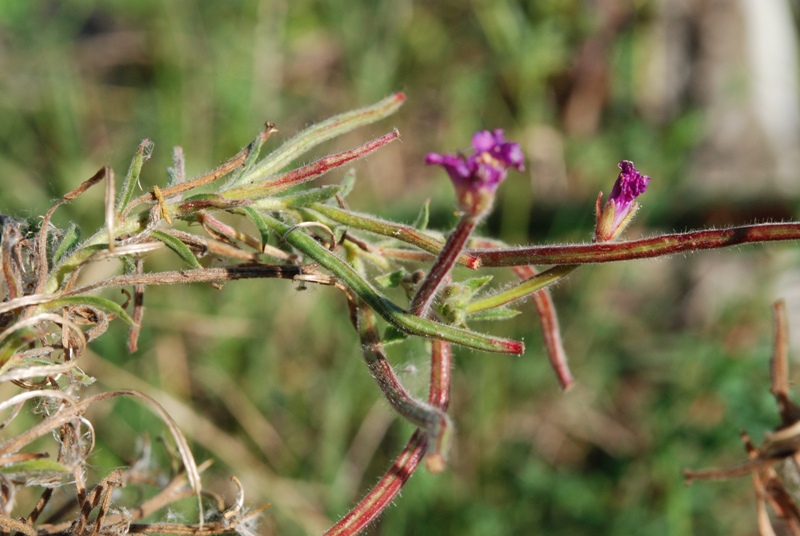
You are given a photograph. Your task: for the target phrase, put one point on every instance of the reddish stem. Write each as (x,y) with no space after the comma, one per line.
(220,171)
(552,333)
(407,462)
(639,249)
(441,361)
(385,490)
(431,419)
(440,271)
(548,319)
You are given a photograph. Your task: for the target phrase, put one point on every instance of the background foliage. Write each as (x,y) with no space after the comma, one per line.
(671,355)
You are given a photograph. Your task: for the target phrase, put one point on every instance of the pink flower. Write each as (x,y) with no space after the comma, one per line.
(477,177)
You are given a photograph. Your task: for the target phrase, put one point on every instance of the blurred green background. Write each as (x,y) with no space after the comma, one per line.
(670,355)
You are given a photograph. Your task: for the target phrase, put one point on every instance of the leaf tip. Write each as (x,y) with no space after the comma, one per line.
(435,463)
(513,347)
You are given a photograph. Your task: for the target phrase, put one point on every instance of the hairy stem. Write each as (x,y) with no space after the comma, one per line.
(526,287)
(442,266)
(398,231)
(389,486)
(430,418)
(646,248)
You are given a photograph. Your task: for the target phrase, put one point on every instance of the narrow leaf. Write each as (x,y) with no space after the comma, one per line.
(109,206)
(252,157)
(522,289)
(40,465)
(279,183)
(177,173)
(178,247)
(14,344)
(348,183)
(132,178)
(421,222)
(397,231)
(315,195)
(258,220)
(498,313)
(392,279)
(321,132)
(71,238)
(128,266)
(474,284)
(104,304)
(392,335)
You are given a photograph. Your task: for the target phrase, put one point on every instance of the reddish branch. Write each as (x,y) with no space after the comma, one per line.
(645,248)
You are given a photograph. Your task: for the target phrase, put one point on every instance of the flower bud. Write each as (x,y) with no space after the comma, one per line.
(621,205)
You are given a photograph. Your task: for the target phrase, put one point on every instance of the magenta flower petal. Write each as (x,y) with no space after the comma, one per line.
(477,177)
(456,167)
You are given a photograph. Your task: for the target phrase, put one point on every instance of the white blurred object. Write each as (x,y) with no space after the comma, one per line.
(771,47)
(737,63)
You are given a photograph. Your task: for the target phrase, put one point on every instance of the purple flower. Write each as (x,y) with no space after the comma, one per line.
(621,204)
(630,185)
(477,177)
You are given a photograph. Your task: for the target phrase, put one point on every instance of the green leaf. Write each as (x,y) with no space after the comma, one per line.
(314,195)
(15,343)
(392,335)
(203,197)
(391,280)
(258,220)
(321,132)
(391,312)
(522,289)
(132,178)
(252,157)
(96,302)
(396,231)
(71,238)
(128,266)
(260,189)
(476,283)
(348,182)
(421,222)
(40,465)
(498,313)
(178,247)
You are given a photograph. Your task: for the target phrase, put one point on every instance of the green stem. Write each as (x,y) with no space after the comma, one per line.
(428,417)
(522,289)
(388,310)
(389,229)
